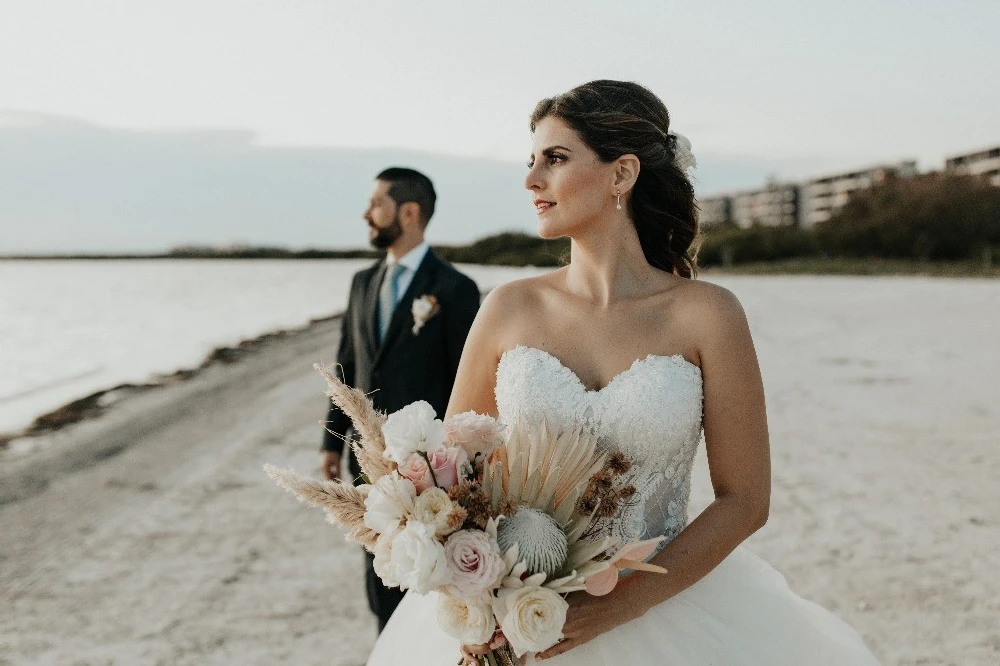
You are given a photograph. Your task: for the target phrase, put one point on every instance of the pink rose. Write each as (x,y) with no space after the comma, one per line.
(447,465)
(475,562)
(474,432)
(416,470)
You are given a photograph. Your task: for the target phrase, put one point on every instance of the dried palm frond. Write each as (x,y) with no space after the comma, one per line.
(550,471)
(543,469)
(367,422)
(344,504)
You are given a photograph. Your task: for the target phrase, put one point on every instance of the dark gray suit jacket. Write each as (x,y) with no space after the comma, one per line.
(405,367)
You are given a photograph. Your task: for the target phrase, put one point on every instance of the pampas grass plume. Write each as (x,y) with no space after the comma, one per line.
(344,504)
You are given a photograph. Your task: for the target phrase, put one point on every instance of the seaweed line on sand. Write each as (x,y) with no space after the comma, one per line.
(95,404)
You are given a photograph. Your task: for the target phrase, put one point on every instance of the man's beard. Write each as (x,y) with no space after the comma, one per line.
(386,236)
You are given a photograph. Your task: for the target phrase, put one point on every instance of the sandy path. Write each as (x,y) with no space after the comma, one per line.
(166,544)
(179,550)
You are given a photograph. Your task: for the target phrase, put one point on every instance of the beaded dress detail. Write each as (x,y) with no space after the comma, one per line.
(651,413)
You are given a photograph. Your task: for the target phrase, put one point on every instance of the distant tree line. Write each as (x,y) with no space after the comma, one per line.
(504,249)
(208,252)
(509,249)
(937,217)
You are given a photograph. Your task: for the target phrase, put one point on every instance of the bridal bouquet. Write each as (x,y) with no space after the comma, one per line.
(500,524)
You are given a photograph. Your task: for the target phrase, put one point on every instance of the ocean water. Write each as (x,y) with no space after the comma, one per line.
(70,328)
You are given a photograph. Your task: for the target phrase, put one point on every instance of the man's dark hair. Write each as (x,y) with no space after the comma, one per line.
(406,185)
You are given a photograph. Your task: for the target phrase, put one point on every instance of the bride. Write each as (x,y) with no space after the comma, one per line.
(625,340)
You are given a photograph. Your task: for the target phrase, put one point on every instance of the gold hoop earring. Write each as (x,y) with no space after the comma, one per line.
(618,195)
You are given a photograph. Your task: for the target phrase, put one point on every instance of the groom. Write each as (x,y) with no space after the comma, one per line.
(404,328)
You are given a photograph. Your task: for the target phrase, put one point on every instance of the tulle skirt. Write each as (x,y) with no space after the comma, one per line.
(740,614)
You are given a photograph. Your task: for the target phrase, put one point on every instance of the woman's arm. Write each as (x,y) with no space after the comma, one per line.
(735,426)
(475,382)
(739,459)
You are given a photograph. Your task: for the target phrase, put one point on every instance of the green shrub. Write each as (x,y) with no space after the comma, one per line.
(936,217)
(509,249)
(729,244)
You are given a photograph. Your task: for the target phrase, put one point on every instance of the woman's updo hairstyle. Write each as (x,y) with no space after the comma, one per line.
(616,118)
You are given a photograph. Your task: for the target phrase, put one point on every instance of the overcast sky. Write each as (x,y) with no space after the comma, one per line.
(783,89)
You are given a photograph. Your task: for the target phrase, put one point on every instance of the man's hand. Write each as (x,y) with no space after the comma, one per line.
(330,465)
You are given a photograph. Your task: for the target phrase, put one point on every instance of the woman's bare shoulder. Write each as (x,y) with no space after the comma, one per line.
(520,295)
(709,317)
(704,300)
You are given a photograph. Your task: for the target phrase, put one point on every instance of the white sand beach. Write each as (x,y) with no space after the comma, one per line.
(150,535)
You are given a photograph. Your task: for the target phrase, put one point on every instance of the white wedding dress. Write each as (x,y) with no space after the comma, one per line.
(741,613)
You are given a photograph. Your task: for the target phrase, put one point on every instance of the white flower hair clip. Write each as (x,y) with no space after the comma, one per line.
(683,157)
(423,309)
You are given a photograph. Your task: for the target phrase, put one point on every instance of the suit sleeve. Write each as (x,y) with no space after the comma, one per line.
(463,312)
(336,420)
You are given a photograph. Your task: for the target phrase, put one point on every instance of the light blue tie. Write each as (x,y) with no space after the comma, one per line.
(387,297)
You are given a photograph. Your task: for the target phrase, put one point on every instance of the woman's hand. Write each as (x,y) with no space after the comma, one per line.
(588,617)
(472,653)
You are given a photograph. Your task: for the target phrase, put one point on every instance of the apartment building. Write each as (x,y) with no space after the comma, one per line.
(774,205)
(816,200)
(714,211)
(821,197)
(985,163)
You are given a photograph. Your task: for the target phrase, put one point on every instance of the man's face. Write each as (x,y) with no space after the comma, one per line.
(382,216)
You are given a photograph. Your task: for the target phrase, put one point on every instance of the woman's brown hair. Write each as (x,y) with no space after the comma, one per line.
(616,118)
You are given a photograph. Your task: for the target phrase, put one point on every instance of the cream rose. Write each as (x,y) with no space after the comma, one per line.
(469,621)
(422,308)
(417,558)
(475,561)
(476,433)
(410,430)
(434,507)
(531,618)
(389,502)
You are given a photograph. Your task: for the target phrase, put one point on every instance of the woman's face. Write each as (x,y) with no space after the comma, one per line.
(571,188)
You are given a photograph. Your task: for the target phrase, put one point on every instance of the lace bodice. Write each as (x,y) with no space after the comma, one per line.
(651,412)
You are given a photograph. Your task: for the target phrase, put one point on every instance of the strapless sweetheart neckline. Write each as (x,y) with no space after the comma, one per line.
(676,359)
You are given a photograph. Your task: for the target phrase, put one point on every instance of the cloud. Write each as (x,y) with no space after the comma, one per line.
(67,185)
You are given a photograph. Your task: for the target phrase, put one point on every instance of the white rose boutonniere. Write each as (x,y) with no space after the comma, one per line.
(423,309)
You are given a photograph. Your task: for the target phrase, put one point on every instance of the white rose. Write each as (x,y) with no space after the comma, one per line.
(434,507)
(383,559)
(412,429)
(532,618)
(418,558)
(471,622)
(389,502)
(421,308)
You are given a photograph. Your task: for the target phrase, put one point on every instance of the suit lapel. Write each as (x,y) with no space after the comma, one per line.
(422,281)
(371,307)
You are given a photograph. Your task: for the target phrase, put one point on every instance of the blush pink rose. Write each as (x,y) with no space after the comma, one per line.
(416,470)
(475,561)
(476,433)
(447,465)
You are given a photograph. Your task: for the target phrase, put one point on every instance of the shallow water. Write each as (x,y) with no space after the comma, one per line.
(69,328)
